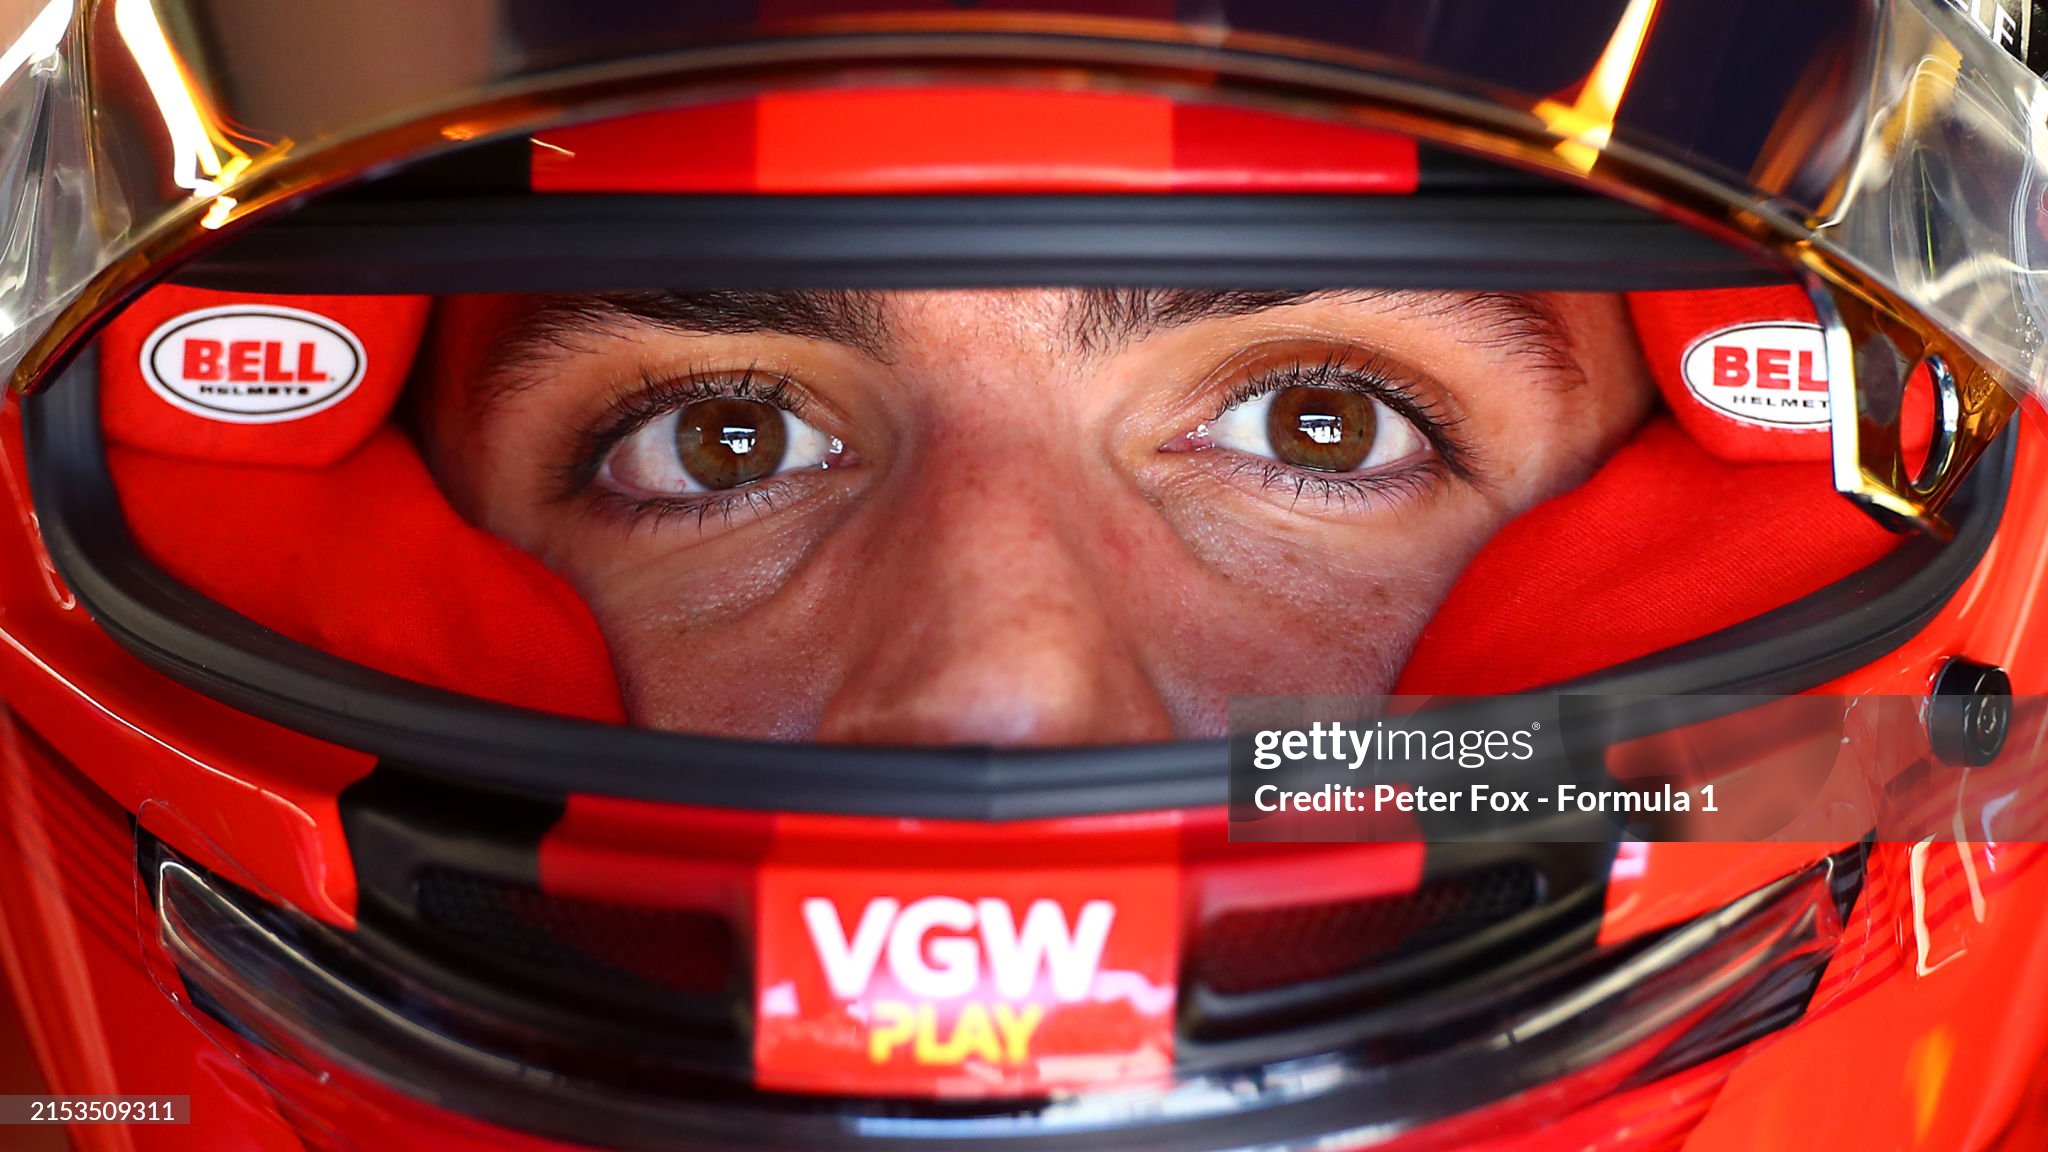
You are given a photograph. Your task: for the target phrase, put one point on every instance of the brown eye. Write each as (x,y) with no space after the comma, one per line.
(1314,429)
(715,445)
(1321,429)
(730,441)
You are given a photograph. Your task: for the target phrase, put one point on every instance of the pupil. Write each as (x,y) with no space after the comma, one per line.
(1321,429)
(729,441)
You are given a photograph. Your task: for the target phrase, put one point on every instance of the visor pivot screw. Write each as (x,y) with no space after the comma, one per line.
(1969,712)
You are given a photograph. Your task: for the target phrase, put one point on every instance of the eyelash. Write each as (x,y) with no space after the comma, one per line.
(1355,371)
(656,397)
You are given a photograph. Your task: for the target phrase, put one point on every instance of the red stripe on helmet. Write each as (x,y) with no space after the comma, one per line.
(705,148)
(994,140)
(930,140)
(1221,149)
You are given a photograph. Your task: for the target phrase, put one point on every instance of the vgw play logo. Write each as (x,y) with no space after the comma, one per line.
(936,950)
(1018,987)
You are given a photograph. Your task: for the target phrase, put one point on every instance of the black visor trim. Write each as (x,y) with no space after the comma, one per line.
(1455,239)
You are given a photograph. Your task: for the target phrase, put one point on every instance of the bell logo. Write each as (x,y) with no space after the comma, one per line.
(252,363)
(933,957)
(1771,375)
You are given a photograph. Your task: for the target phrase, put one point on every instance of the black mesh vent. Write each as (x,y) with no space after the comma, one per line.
(687,951)
(1257,949)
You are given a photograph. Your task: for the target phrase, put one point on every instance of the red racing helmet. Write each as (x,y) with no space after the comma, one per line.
(340,810)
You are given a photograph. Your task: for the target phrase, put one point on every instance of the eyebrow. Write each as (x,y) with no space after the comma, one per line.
(1105,319)
(559,322)
(1097,320)
(852,318)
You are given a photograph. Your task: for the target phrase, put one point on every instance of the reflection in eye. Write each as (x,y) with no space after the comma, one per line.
(715,444)
(1318,429)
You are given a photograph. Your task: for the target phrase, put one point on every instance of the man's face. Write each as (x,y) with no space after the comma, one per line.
(1019,517)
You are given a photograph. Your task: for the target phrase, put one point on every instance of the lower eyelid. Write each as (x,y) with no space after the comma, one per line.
(653,512)
(1378,487)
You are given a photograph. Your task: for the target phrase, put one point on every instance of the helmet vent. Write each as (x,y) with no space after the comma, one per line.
(573,940)
(1259,949)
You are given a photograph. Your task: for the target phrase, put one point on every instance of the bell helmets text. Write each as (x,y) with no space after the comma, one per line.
(1771,375)
(252,363)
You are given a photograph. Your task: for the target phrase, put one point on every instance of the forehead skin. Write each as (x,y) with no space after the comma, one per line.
(1013,559)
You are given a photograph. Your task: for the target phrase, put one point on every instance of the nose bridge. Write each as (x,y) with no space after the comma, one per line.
(992,554)
(988,616)
(991,506)
(1002,527)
